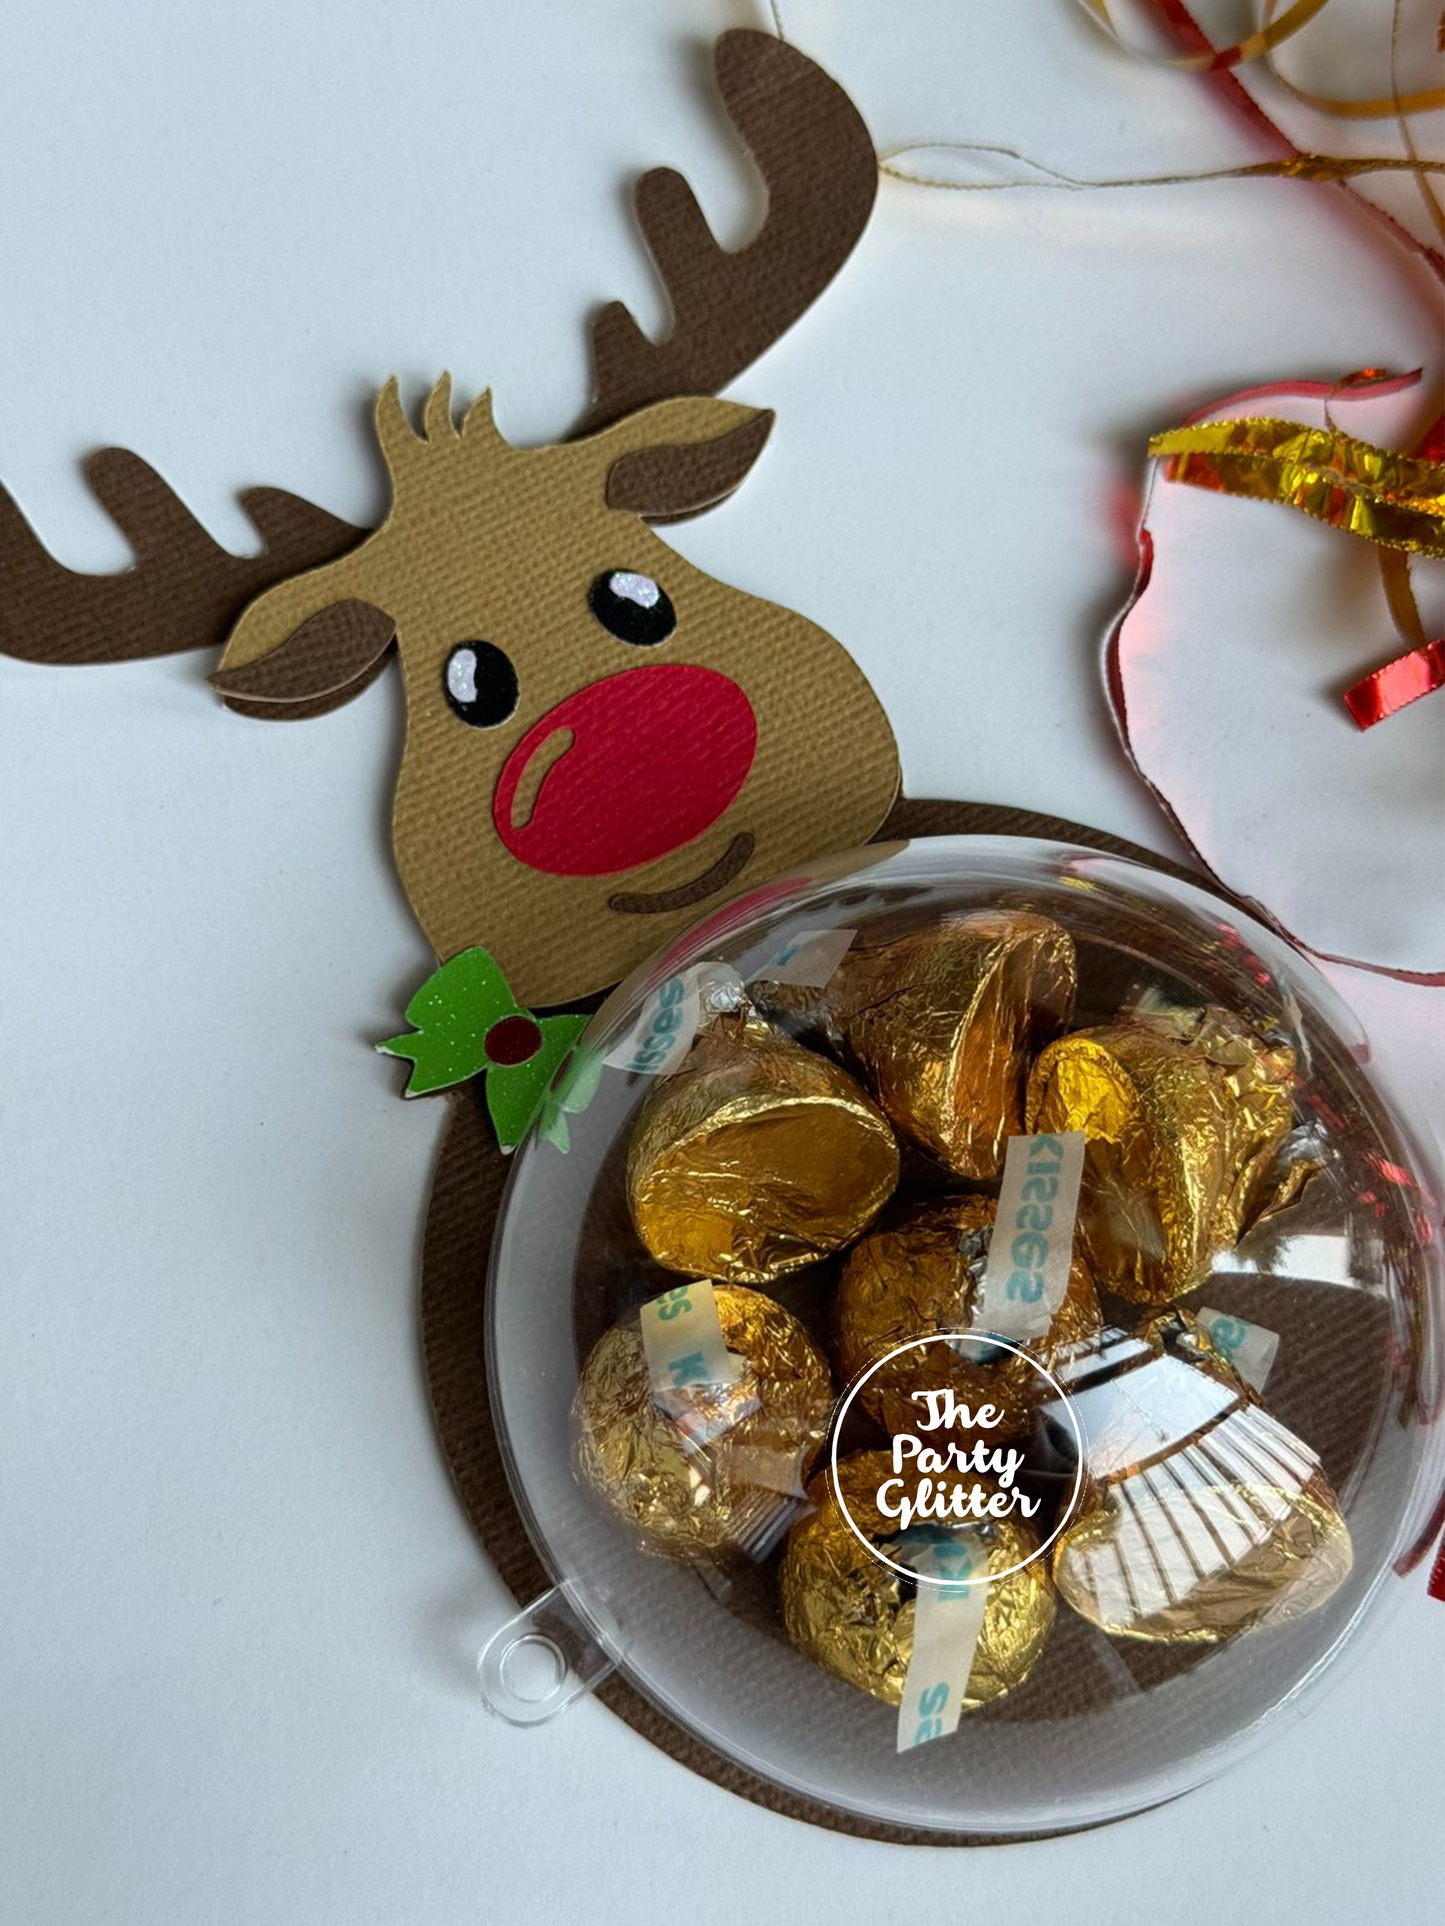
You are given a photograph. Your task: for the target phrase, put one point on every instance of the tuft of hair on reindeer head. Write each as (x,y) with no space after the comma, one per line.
(599,736)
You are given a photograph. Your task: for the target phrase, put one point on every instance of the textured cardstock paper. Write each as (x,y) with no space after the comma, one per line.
(582,771)
(816,155)
(184,590)
(742,743)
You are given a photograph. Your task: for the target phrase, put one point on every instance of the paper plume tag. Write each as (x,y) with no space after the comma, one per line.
(946,1625)
(672,1016)
(809,960)
(1250,1348)
(1027,1270)
(663,1033)
(683,1340)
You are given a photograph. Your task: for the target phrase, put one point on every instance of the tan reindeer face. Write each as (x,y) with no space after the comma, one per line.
(600,738)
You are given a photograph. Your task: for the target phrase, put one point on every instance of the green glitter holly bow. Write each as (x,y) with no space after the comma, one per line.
(466,1023)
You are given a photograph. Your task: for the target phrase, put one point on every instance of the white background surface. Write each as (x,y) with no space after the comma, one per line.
(238,1603)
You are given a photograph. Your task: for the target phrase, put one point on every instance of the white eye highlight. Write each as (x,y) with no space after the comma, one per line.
(462,675)
(480,684)
(632,607)
(628,587)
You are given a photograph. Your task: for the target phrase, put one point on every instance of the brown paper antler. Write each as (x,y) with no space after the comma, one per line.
(185,591)
(816,157)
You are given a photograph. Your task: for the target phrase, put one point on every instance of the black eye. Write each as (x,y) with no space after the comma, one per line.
(633,607)
(481,684)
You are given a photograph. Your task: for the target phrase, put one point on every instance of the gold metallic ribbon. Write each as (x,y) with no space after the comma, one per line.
(1394,500)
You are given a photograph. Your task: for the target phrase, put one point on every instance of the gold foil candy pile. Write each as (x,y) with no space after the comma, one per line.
(917,1277)
(850,1613)
(703,1470)
(942,1023)
(1204,1517)
(755,1157)
(1201,1517)
(1183,1132)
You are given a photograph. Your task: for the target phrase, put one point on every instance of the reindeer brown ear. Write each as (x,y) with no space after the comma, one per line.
(681,457)
(331,657)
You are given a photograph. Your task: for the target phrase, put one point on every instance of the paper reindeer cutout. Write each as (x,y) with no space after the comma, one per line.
(600,738)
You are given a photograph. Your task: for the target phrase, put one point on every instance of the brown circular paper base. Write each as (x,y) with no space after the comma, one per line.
(466,1196)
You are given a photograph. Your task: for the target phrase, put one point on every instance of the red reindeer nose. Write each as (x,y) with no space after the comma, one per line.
(626,770)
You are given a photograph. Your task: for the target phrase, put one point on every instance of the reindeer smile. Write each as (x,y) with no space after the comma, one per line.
(717,876)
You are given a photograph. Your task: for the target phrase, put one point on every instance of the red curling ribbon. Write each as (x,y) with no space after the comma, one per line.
(1432,448)
(1398,683)
(1189,33)
(1192,37)
(1366,384)
(1114,649)
(1409,1560)
(1404,1565)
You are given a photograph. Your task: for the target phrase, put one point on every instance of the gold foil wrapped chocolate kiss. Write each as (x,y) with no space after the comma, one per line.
(918,1276)
(704,1470)
(853,1615)
(942,1021)
(755,1157)
(1204,1518)
(1183,1132)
